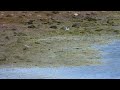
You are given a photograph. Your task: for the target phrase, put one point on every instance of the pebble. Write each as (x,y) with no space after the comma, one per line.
(54,27)
(76,14)
(76,25)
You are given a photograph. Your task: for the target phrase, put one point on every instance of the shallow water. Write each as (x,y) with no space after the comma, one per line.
(109,69)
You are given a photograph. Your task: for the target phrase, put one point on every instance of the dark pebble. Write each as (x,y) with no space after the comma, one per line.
(55,12)
(2,44)
(77,48)
(25,48)
(14,62)
(99,30)
(14,29)
(76,25)
(7,38)
(30,22)
(54,27)
(37,43)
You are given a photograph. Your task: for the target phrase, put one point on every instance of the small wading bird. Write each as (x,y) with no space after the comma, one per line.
(65,28)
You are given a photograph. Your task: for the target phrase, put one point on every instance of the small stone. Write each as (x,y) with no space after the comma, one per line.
(13,29)
(54,27)
(25,48)
(14,62)
(58,23)
(15,34)
(2,14)
(2,44)
(30,22)
(77,48)
(76,25)
(76,14)
(7,38)
(55,12)
(37,42)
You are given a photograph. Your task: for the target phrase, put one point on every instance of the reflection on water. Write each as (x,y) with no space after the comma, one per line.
(109,69)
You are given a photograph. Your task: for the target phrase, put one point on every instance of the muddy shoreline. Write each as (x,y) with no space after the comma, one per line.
(54,39)
(107,70)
